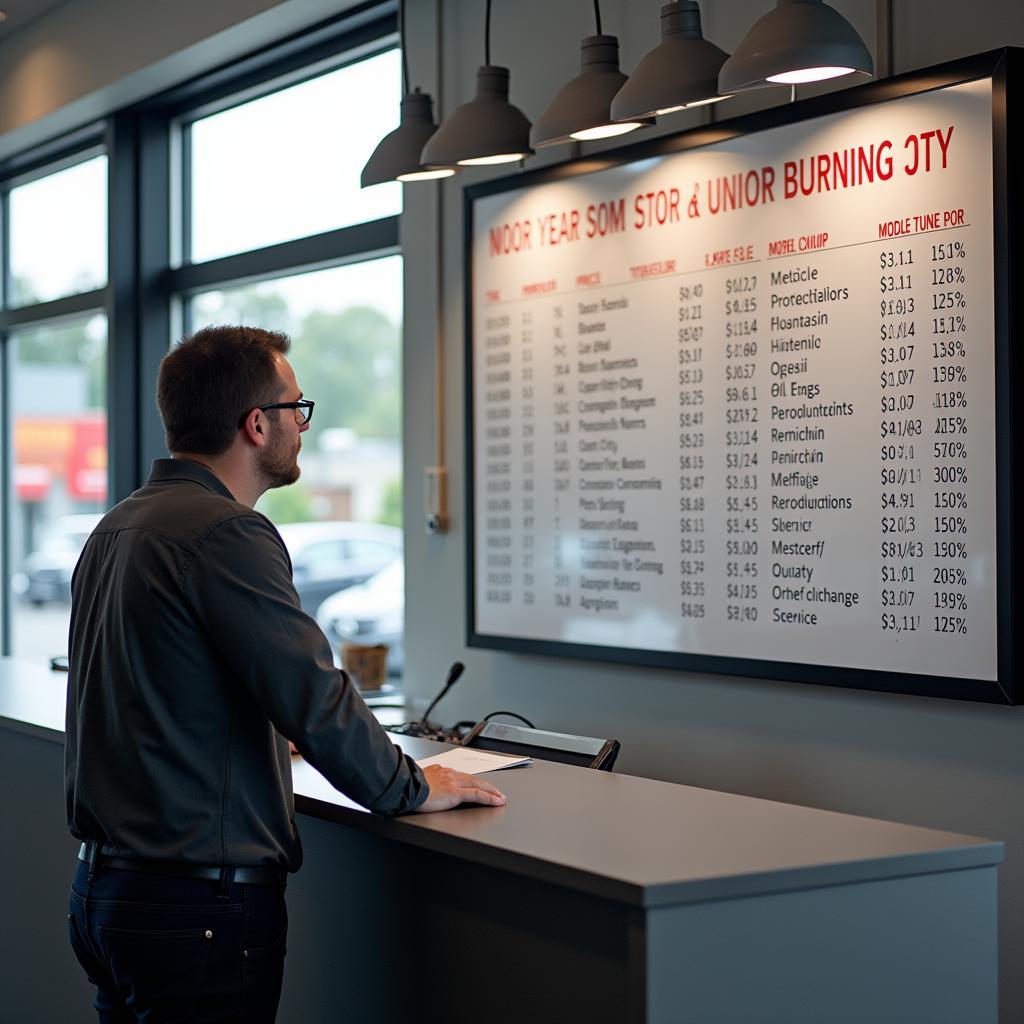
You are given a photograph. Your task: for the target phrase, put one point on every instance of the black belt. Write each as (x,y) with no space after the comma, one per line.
(177,869)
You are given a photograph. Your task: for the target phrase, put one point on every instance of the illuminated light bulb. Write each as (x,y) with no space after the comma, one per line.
(606,131)
(805,75)
(498,158)
(441,172)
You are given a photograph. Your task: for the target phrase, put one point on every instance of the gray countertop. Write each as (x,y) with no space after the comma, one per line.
(635,841)
(32,698)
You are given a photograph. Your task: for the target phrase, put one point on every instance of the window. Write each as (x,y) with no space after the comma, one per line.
(283,216)
(54,422)
(287,165)
(59,234)
(345,326)
(233,197)
(59,425)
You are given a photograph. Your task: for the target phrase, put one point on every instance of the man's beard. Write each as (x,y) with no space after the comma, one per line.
(278,462)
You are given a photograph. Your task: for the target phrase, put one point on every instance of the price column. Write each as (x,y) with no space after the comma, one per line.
(692,494)
(949,444)
(742,436)
(901,444)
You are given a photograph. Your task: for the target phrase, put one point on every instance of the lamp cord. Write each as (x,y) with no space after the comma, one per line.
(401,43)
(597,15)
(487,34)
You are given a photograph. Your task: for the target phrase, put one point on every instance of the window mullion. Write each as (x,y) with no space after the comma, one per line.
(154,299)
(357,242)
(6,476)
(6,427)
(122,323)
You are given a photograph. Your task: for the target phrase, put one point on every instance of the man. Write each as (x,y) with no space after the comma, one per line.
(191,666)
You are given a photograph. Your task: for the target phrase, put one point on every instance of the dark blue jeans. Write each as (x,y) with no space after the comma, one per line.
(162,949)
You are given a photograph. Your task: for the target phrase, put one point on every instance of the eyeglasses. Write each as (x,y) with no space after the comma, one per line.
(303,409)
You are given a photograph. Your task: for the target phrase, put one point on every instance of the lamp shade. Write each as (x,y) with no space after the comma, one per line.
(799,41)
(682,70)
(397,156)
(582,108)
(487,130)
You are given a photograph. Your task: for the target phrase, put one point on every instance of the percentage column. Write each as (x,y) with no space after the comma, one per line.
(901,431)
(949,443)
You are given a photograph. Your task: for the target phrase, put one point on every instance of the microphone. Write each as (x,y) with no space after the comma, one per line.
(422,728)
(453,677)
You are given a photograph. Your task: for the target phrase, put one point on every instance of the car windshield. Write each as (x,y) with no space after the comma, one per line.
(60,543)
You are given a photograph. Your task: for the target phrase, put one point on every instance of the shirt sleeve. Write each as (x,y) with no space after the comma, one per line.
(240,586)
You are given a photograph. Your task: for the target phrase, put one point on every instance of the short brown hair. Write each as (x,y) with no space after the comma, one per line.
(209,381)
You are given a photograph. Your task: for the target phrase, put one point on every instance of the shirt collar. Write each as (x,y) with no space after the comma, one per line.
(186,469)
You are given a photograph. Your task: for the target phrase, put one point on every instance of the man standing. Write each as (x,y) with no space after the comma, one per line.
(191,666)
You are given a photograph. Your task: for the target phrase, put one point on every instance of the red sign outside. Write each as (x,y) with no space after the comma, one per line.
(72,448)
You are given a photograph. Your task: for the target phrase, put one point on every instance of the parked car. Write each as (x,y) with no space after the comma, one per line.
(46,574)
(371,613)
(331,556)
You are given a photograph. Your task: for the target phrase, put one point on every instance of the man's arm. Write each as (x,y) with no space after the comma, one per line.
(240,586)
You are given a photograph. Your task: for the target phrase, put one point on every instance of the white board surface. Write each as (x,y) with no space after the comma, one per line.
(740,401)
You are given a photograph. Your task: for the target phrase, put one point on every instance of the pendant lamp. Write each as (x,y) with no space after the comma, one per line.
(488,129)
(582,108)
(397,156)
(681,71)
(799,41)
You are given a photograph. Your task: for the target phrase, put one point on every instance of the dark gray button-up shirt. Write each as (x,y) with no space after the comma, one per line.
(191,661)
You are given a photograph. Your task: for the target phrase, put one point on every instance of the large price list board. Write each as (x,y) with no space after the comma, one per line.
(738,403)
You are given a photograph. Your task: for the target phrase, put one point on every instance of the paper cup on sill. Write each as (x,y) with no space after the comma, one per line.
(366,664)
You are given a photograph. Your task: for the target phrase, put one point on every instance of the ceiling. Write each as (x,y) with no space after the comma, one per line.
(21,13)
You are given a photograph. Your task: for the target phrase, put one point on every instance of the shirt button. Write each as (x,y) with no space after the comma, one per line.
(209,934)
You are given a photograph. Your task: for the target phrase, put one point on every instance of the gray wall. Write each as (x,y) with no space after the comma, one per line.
(930,762)
(945,764)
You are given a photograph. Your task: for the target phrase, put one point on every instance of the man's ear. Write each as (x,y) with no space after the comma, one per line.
(252,426)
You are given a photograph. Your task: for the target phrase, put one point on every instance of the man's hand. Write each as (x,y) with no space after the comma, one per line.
(449,788)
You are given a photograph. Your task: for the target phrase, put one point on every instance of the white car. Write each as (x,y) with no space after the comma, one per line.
(330,556)
(371,613)
(46,575)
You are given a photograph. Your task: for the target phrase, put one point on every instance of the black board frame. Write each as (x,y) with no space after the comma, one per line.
(1005,67)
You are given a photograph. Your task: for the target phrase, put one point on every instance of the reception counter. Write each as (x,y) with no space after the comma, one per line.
(589,897)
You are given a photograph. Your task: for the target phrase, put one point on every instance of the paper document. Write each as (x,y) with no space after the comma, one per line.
(474,762)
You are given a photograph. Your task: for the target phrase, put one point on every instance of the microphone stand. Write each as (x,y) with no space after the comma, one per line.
(453,677)
(422,727)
